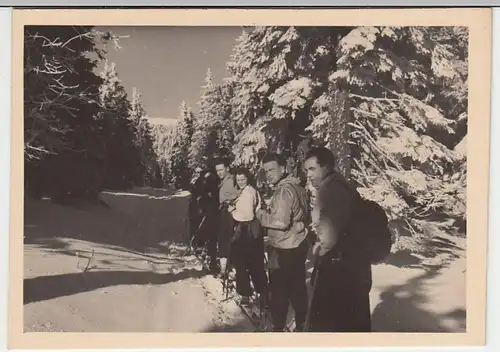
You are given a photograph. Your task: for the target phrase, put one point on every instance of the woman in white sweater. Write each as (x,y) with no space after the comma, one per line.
(247,248)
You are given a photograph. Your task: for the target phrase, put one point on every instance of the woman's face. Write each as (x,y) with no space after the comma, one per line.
(241,181)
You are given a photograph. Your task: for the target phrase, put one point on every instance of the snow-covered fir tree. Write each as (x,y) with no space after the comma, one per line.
(62,145)
(278,73)
(391,103)
(180,168)
(147,173)
(205,136)
(224,124)
(399,83)
(213,135)
(163,143)
(119,132)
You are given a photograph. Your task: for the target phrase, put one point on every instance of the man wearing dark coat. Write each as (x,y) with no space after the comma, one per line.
(341,301)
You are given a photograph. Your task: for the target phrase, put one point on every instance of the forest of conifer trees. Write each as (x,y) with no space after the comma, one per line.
(82,133)
(391,103)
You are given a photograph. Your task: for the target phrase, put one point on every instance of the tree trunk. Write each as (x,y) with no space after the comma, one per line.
(340,131)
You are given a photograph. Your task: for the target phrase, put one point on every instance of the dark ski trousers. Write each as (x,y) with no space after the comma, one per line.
(288,285)
(212,248)
(225,232)
(341,300)
(247,257)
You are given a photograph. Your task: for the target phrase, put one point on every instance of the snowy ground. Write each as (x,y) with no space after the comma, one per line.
(140,281)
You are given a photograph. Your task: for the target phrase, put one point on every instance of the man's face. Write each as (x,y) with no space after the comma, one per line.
(221,171)
(315,173)
(274,172)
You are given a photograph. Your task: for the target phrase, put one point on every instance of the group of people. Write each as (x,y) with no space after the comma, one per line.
(231,219)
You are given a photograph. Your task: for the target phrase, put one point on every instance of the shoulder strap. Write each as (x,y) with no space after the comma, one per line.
(260,200)
(355,203)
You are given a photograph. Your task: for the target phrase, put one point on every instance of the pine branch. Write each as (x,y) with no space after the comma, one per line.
(37,149)
(390,101)
(373,143)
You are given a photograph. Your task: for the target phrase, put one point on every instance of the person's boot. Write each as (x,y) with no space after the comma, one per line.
(298,328)
(245,300)
(203,254)
(213,267)
(198,250)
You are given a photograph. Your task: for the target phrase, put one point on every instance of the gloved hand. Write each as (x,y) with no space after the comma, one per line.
(316,253)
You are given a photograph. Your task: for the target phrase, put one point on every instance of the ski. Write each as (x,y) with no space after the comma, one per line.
(258,316)
(252,311)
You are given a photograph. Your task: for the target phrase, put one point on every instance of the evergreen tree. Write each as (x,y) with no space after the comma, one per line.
(399,83)
(147,174)
(224,122)
(119,132)
(181,172)
(164,138)
(278,73)
(213,133)
(205,135)
(391,103)
(62,146)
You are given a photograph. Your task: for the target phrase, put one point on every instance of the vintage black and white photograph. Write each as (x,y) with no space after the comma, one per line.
(245,178)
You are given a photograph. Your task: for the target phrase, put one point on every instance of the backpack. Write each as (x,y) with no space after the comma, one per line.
(369,228)
(367,231)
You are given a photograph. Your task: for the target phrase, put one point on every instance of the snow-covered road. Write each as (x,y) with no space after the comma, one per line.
(141,281)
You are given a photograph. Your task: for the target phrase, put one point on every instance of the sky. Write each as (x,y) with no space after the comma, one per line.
(169,64)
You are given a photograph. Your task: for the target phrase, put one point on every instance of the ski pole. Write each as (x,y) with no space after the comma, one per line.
(228,263)
(315,280)
(225,279)
(263,309)
(186,235)
(198,229)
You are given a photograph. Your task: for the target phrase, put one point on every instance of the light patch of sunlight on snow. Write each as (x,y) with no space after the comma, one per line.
(293,94)
(423,114)
(180,194)
(414,180)
(361,38)
(461,148)
(441,65)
